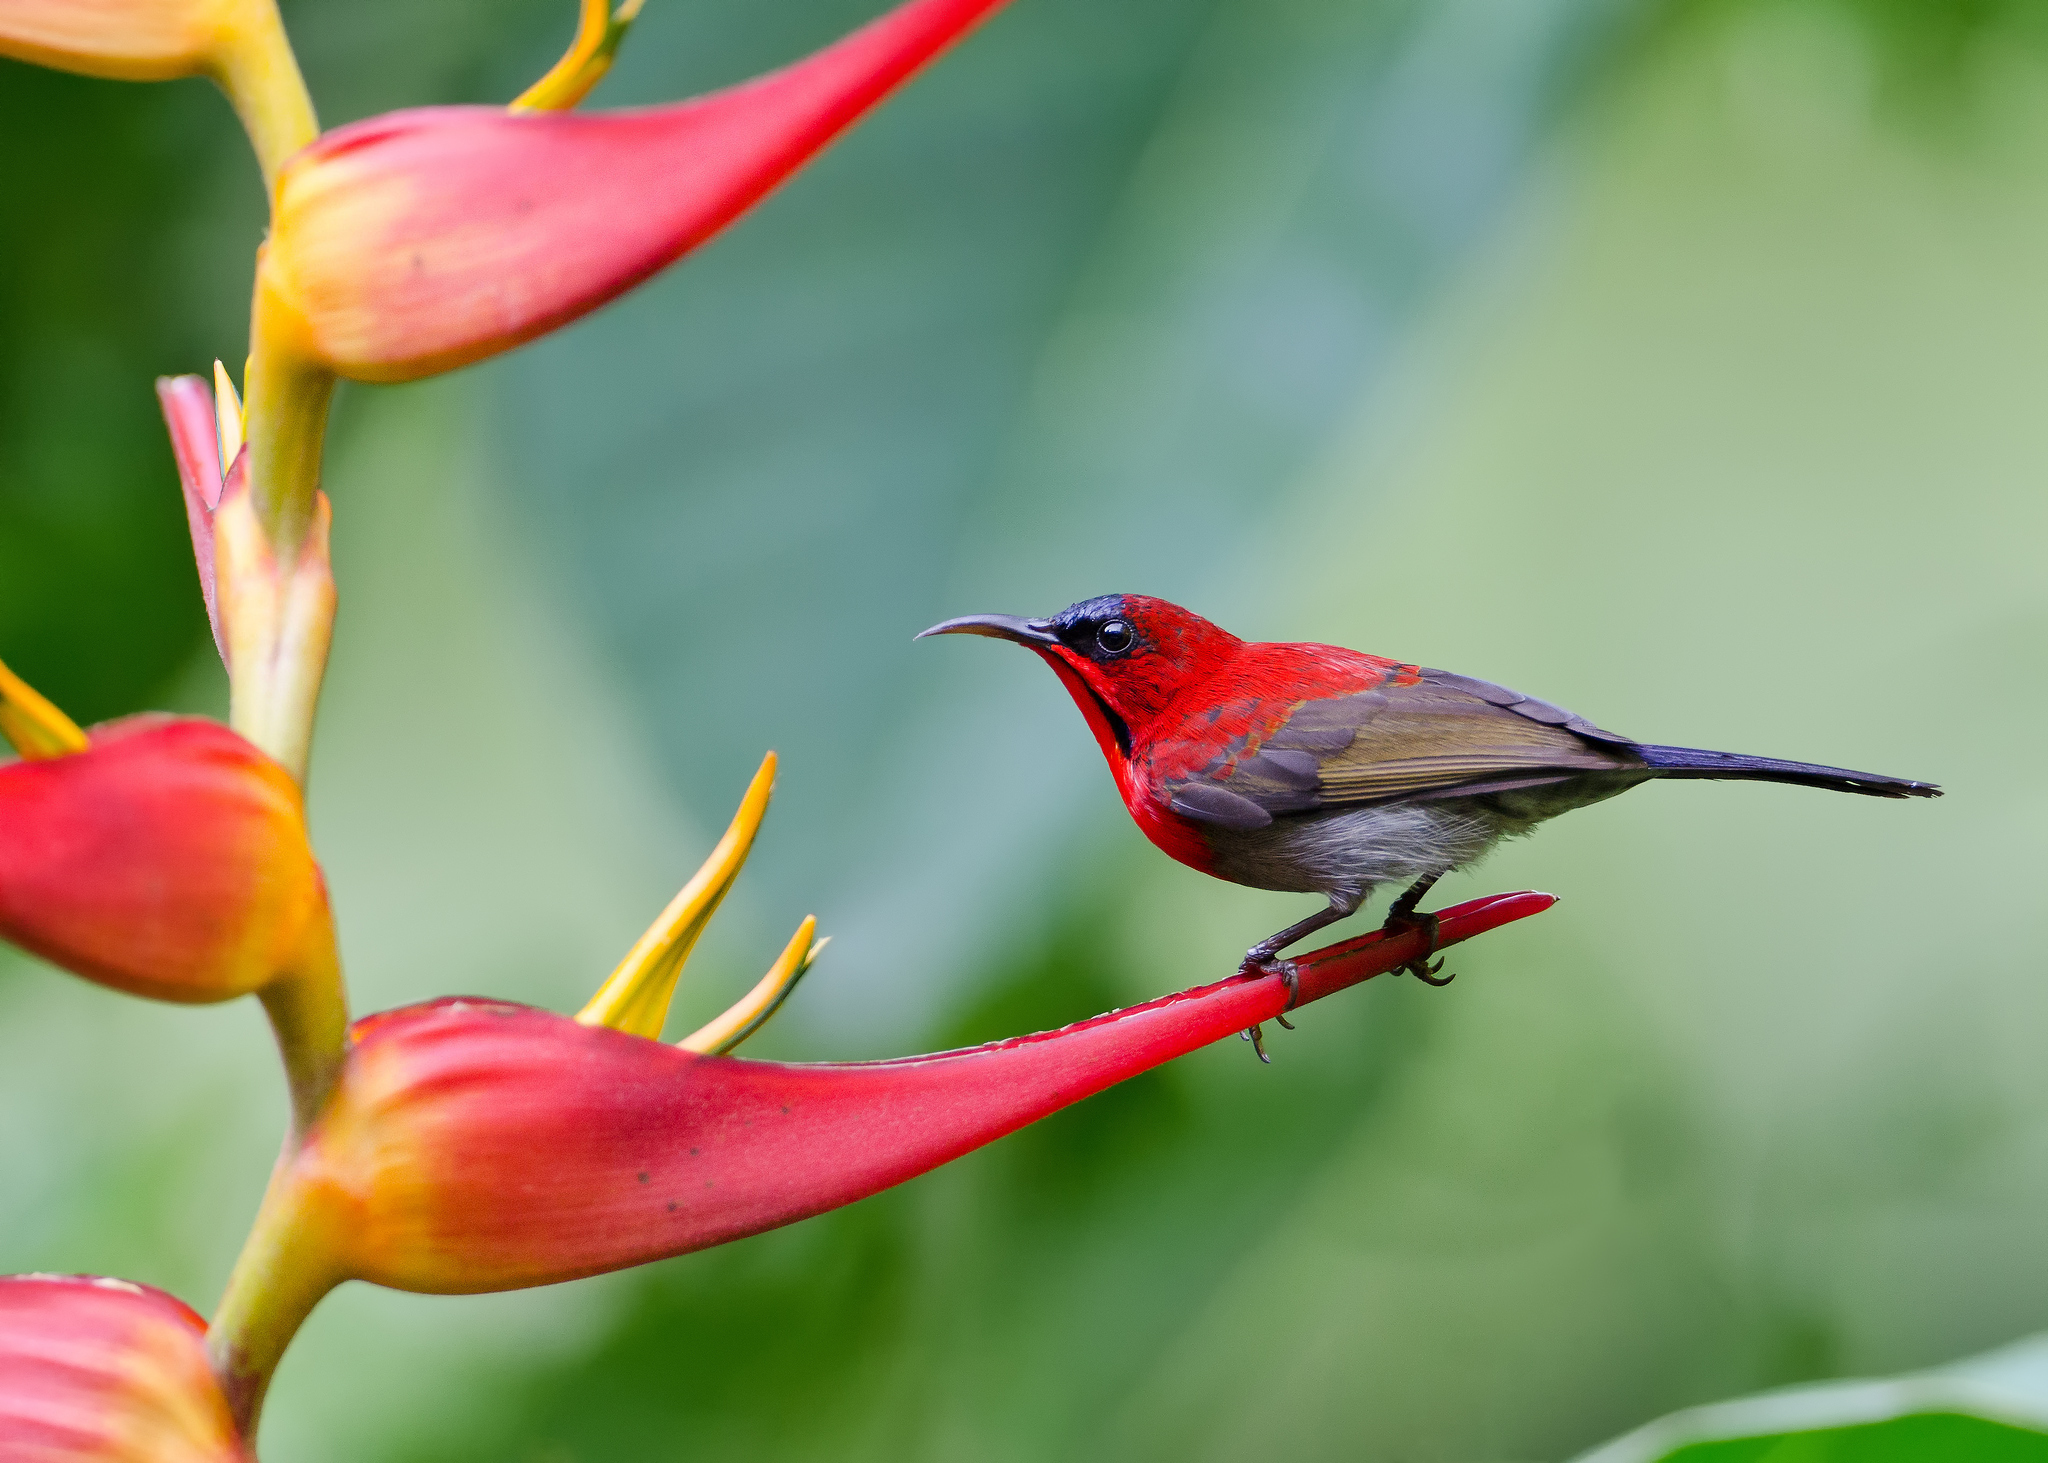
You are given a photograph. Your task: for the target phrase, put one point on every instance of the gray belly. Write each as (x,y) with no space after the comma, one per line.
(1344,852)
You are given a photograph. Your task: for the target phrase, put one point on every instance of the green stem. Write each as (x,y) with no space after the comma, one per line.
(261,77)
(290,1259)
(287,1265)
(277,588)
(308,1010)
(288,399)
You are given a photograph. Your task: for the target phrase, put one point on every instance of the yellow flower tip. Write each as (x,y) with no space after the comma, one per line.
(34,725)
(231,421)
(751,1012)
(635,997)
(583,65)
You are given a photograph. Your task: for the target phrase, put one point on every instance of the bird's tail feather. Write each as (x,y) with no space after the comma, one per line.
(1692,762)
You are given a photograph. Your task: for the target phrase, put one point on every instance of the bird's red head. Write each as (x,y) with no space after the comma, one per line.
(1124,658)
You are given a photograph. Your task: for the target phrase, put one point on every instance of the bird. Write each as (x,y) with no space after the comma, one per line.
(1312,769)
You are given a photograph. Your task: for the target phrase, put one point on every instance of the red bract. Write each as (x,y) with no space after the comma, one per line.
(169,859)
(101,1371)
(474,1145)
(419,241)
(188,409)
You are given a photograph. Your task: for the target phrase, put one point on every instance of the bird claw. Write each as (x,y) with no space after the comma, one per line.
(1399,921)
(1289,972)
(1427,974)
(1258,962)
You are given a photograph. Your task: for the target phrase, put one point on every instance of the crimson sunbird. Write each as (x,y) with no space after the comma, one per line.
(1318,770)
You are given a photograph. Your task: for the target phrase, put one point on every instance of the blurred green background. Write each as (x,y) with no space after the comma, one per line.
(1682,363)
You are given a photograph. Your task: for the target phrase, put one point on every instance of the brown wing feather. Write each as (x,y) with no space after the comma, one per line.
(1439,734)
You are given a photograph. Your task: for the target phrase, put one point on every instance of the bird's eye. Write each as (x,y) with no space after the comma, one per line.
(1114,637)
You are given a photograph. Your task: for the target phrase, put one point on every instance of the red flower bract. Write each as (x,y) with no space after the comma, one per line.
(474,1145)
(101,1371)
(169,859)
(421,240)
(188,409)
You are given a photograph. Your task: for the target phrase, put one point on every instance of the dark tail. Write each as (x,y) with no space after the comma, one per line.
(1691,762)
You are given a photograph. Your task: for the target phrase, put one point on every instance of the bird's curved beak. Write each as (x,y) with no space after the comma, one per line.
(1001,627)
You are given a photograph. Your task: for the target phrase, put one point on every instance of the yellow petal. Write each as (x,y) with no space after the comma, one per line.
(635,997)
(28,720)
(228,417)
(586,61)
(751,1012)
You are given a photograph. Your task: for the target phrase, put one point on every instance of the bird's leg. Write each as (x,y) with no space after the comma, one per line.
(1402,917)
(1262,957)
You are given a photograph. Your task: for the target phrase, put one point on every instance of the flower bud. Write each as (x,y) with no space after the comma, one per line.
(102,1371)
(169,859)
(419,241)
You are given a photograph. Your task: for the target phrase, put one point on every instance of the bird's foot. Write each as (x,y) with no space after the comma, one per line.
(1399,922)
(1261,962)
(1264,962)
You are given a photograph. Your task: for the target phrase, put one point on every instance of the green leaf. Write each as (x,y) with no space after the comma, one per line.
(1990,1409)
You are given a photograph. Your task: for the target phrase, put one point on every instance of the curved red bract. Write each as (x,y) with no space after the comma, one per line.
(102,1371)
(475,1145)
(169,860)
(421,240)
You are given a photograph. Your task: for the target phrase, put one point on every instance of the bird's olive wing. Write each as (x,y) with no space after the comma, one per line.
(1440,735)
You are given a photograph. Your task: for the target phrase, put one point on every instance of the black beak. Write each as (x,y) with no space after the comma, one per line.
(1001,627)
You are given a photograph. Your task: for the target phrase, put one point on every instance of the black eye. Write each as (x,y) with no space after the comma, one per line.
(1114,637)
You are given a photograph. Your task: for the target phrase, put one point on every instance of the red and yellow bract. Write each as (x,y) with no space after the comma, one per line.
(103,1371)
(169,859)
(476,1145)
(421,240)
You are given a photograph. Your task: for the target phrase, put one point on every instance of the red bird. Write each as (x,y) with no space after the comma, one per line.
(1317,770)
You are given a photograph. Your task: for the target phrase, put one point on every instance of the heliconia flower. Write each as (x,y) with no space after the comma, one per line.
(102,1371)
(239,43)
(419,241)
(474,1145)
(167,858)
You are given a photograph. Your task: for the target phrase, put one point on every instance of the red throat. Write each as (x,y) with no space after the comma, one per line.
(1126,701)
(1187,696)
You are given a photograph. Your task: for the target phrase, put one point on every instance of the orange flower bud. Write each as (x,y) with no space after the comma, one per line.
(102,1371)
(169,859)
